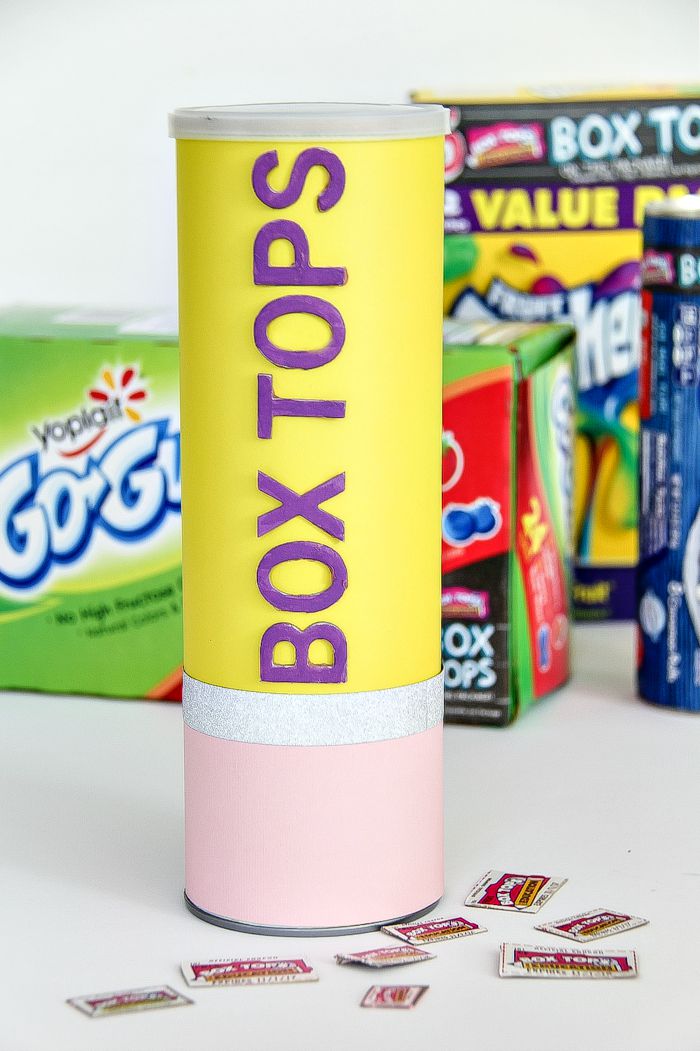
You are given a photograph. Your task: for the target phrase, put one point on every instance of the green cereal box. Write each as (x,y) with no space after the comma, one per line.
(508,410)
(90,576)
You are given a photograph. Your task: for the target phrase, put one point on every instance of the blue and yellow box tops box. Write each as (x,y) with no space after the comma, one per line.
(545,195)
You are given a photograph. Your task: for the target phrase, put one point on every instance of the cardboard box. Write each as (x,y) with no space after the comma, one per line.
(508,405)
(545,196)
(90,579)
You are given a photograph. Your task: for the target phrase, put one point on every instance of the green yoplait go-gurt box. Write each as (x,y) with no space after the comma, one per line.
(507,444)
(90,574)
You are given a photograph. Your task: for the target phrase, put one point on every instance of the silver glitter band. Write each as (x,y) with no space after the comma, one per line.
(312,719)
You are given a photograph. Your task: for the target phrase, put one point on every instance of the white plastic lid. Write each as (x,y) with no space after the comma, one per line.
(326,121)
(685,207)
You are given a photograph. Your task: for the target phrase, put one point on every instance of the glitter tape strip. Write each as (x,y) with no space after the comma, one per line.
(312,719)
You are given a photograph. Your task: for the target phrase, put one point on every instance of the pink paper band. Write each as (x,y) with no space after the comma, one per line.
(369,847)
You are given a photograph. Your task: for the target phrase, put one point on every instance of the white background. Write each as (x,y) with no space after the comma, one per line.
(605,787)
(86,168)
(593,785)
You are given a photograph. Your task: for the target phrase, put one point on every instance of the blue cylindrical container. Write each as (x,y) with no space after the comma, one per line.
(668,578)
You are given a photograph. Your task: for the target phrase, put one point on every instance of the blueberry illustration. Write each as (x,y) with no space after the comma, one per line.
(484,518)
(544,653)
(459,525)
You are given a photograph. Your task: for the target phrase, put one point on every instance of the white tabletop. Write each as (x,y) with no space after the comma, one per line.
(592,785)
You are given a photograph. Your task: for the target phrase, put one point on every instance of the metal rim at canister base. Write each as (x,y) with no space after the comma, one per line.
(303,932)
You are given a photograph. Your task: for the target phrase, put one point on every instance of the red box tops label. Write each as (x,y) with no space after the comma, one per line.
(594,924)
(466,603)
(226,969)
(538,960)
(505,143)
(518,891)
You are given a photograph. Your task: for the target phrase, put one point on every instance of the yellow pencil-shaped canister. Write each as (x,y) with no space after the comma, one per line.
(310,262)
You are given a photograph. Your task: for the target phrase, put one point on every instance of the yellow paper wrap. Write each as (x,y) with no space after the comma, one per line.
(383,232)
